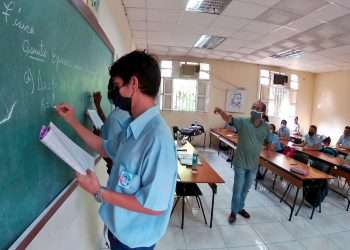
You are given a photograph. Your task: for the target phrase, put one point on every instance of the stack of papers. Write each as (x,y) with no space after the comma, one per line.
(76,157)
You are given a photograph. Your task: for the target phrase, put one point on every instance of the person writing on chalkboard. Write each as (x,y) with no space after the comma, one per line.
(137,201)
(112,125)
(253,133)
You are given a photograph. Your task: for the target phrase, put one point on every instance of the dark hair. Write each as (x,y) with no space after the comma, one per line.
(284,122)
(141,65)
(265,117)
(347,127)
(273,126)
(314,127)
(112,90)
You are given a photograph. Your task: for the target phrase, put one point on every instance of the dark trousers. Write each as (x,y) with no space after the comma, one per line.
(117,245)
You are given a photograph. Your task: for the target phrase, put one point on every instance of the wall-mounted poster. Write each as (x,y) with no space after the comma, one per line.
(236,100)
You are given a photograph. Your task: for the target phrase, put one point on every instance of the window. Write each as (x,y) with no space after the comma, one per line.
(204,71)
(166,68)
(280,100)
(184,93)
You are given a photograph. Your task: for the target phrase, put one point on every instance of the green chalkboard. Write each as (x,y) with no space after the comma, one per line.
(49,53)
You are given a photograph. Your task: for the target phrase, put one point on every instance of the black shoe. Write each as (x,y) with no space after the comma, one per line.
(228,160)
(244,214)
(232,218)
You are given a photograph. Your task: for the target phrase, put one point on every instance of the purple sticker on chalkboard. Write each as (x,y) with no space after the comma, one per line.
(43,132)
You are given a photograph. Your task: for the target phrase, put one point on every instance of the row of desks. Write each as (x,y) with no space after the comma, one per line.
(279,164)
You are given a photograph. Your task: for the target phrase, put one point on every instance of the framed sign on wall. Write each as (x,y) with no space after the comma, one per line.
(236,100)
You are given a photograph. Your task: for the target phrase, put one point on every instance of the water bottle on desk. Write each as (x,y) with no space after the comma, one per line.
(194,162)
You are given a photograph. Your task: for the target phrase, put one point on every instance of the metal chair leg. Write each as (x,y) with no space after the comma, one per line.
(183,212)
(176,200)
(201,206)
(312,213)
(285,192)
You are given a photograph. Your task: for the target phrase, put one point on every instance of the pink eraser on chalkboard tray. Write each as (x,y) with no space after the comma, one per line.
(299,171)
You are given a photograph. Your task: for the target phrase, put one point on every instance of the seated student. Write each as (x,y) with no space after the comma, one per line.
(312,140)
(283,132)
(344,140)
(296,126)
(275,140)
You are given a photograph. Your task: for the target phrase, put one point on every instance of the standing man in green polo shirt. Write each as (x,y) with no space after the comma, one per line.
(253,133)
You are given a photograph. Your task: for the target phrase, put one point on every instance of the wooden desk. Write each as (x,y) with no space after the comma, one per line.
(343,151)
(333,161)
(204,174)
(280,165)
(225,135)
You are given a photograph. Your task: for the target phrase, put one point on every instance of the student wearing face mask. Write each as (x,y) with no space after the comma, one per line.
(112,123)
(137,201)
(312,141)
(283,131)
(274,139)
(253,133)
(344,140)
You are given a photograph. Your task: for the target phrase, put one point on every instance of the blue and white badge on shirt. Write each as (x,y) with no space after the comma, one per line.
(125,179)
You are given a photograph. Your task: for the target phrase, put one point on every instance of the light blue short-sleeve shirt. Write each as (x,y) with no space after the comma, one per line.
(145,167)
(344,141)
(312,141)
(284,132)
(275,140)
(113,124)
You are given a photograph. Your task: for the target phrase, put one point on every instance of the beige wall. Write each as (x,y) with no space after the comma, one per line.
(226,75)
(331,103)
(76,225)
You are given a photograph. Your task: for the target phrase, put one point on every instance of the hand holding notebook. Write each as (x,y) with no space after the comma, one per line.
(66,149)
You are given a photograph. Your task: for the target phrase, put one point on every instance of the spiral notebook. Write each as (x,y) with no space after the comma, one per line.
(72,154)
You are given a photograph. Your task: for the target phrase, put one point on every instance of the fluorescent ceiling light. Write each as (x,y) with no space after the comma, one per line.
(209,42)
(288,53)
(207,6)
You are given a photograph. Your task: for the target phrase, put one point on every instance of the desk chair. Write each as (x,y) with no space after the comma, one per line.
(317,190)
(188,189)
(299,156)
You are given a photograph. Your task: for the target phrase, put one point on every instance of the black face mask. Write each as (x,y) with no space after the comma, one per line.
(124,103)
(311,134)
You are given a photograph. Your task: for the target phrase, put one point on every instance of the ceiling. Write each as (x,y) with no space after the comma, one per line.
(255,30)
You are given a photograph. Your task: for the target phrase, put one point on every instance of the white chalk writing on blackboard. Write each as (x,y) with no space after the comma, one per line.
(8,9)
(36,53)
(9,114)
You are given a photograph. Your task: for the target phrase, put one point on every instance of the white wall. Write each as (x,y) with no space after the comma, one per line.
(331,103)
(76,225)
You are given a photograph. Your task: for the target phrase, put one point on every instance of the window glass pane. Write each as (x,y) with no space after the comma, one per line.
(264,81)
(203,75)
(271,109)
(184,95)
(204,66)
(294,78)
(201,104)
(166,64)
(166,72)
(264,73)
(294,85)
